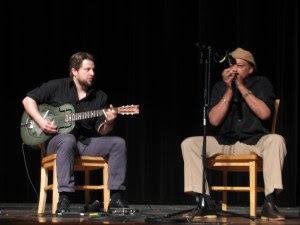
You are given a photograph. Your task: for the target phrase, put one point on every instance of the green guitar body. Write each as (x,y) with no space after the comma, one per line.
(33,135)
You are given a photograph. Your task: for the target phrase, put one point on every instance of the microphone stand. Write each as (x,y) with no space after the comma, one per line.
(202,201)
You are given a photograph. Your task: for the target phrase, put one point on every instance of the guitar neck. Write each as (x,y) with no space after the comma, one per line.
(123,110)
(85,115)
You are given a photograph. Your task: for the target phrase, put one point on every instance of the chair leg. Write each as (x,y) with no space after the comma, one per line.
(43,192)
(224,193)
(86,182)
(55,194)
(106,192)
(253,188)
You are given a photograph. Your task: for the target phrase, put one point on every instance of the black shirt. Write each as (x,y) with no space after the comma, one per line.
(62,91)
(240,123)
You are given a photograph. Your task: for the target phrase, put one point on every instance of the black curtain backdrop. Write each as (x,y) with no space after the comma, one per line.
(146,54)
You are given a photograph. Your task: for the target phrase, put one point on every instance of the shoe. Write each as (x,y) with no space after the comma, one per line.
(270,212)
(63,204)
(96,206)
(120,203)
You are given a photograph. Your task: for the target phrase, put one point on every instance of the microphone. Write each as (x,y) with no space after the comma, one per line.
(229,57)
(231,60)
(235,93)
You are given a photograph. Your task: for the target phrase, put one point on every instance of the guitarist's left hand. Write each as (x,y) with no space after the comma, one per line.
(110,115)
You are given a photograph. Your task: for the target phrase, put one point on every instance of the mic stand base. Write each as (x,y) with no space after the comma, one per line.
(206,207)
(208,210)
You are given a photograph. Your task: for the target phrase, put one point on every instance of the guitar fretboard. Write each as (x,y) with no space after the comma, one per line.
(83,115)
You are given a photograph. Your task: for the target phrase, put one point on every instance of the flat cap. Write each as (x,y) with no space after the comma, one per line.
(240,53)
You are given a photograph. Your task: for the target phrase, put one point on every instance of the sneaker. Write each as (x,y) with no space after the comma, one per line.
(270,212)
(120,203)
(63,204)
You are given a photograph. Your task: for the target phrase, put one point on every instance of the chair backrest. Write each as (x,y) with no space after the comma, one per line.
(275,113)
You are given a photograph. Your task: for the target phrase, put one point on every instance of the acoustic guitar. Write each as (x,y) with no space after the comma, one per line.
(64,118)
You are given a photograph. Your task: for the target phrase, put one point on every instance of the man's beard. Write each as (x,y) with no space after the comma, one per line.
(85,84)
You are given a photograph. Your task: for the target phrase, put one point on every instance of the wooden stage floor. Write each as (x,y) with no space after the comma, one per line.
(25,214)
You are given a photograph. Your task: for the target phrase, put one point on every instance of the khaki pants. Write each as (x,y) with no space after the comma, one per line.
(270,147)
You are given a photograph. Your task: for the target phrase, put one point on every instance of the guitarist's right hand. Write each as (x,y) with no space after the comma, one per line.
(47,126)
(31,108)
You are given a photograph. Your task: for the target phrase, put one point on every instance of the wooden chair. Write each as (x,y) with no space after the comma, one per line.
(251,163)
(81,163)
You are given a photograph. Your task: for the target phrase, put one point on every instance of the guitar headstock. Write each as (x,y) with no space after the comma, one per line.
(129,110)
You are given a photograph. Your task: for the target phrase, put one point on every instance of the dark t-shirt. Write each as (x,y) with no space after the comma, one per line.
(62,91)
(240,123)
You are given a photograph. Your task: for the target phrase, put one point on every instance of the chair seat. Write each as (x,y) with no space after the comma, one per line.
(234,163)
(81,163)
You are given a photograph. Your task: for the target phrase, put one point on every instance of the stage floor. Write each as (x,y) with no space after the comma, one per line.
(23,214)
